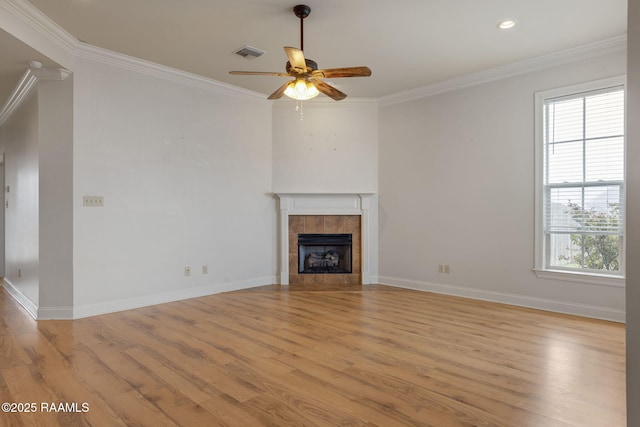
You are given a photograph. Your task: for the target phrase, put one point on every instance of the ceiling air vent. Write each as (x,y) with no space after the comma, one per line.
(249,52)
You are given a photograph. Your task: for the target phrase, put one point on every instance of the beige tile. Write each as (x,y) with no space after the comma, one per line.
(296,279)
(296,224)
(353,279)
(352,224)
(293,263)
(313,279)
(293,243)
(314,224)
(334,224)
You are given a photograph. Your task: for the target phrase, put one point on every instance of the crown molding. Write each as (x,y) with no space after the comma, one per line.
(45,27)
(125,62)
(611,45)
(22,90)
(26,84)
(40,22)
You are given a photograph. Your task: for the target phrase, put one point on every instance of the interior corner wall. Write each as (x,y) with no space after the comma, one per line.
(457,188)
(633,215)
(19,138)
(185,174)
(331,148)
(55,184)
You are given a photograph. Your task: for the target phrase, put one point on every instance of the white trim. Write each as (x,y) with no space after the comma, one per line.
(22,90)
(596,312)
(26,85)
(581,277)
(22,299)
(539,246)
(611,45)
(41,23)
(113,306)
(31,26)
(130,63)
(55,34)
(44,26)
(55,313)
(329,204)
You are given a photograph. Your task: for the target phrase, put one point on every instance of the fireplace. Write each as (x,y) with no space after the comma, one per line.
(324,253)
(325,249)
(334,215)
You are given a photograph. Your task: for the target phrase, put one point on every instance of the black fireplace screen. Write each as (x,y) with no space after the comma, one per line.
(324,253)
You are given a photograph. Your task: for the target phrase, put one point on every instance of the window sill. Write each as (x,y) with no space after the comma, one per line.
(591,278)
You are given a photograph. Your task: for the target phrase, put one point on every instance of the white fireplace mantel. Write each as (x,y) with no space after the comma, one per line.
(327,204)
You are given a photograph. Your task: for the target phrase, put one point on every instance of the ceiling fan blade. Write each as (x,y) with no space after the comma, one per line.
(258,73)
(343,72)
(296,59)
(279,92)
(328,90)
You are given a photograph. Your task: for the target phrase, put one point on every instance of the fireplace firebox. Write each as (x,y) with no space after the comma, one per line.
(324,253)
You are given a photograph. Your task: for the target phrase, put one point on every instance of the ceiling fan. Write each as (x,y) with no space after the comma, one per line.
(307,82)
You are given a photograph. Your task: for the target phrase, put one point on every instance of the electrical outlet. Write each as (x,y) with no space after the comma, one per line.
(205,269)
(444,268)
(187,271)
(92,201)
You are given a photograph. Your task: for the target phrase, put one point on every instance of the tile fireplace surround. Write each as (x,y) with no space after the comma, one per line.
(325,213)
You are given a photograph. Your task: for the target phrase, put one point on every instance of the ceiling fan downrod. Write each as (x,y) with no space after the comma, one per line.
(301,11)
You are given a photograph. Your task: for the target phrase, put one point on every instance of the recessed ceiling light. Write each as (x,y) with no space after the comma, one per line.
(506,24)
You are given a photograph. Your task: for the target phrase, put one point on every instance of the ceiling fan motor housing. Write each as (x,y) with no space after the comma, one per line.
(301,10)
(311,65)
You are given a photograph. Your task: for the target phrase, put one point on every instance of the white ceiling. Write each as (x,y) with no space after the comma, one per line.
(406,43)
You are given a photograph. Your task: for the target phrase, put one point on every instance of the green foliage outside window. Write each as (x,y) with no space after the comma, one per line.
(596,251)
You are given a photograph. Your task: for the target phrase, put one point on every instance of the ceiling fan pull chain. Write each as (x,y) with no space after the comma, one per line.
(299,108)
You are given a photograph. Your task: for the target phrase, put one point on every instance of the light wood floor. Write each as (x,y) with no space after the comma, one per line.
(379,356)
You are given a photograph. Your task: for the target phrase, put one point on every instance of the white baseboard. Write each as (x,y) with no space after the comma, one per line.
(22,299)
(596,312)
(55,313)
(148,300)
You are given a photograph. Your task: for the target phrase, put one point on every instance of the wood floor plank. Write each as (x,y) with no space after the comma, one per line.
(286,356)
(228,412)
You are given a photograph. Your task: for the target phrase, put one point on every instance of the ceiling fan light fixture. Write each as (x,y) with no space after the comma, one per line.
(308,79)
(301,90)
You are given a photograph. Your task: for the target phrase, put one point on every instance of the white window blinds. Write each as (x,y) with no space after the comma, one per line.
(584,163)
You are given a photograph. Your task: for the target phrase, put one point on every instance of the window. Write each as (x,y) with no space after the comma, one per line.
(580,189)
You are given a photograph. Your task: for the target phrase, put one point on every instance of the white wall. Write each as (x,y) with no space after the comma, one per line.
(633,215)
(19,139)
(55,187)
(457,188)
(37,141)
(186,178)
(333,149)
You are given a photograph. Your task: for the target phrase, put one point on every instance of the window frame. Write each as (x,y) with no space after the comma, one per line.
(540,262)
